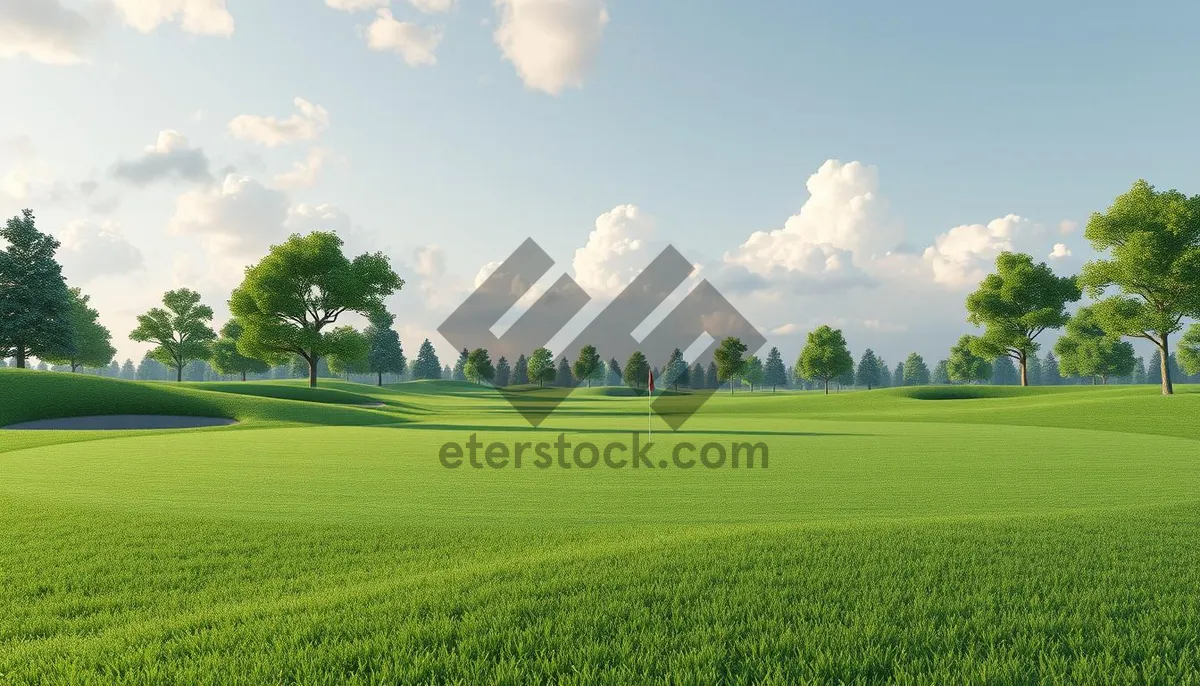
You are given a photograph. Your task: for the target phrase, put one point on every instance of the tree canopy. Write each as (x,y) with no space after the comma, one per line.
(965,365)
(384,352)
(478,367)
(35,305)
(179,330)
(774,373)
(869,373)
(825,355)
(89,344)
(1087,350)
(916,372)
(349,349)
(1189,350)
(729,360)
(588,366)
(227,359)
(427,365)
(637,370)
(541,367)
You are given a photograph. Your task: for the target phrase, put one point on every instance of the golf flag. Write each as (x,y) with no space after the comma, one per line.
(651,380)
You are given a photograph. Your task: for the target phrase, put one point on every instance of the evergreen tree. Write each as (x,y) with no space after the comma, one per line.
(868,373)
(427,365)
(675,371)
(614,373)
(503,373)
(1139,371)
(637,370)
(459,373)
(941,373)
(774,374)
(88,344)
(898,376)
(696,376)
(520,374)
(35,305)
(710,376)
(1034,364)
(885,374)
(563,377)
(916,372)
(151,369)
(385,355)
(1004,372)
(447,373)
(127,370)
(1050,371)
(588,365)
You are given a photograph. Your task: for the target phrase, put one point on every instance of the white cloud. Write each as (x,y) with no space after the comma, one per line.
(170,156)
(44,31)
(235,217)
(430,261)
(306,218)
(1060,251)
(207,17)
(271,132)
(416,44)
(303,174)
(551,43)
(784,330)
(1067,226)
(433,6)
(89,250)
(961,256)
(615,251)
(484,272)
(356,5)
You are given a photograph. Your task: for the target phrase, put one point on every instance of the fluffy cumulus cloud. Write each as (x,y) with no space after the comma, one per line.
(304,174)
(237,216)
(433,6)
(615,252)
(207,17)
(90,250)
(44,31)
(551,43)
(309,121)
(1060,251)
(962,256)
(169,158)
(416,44)
(357,5)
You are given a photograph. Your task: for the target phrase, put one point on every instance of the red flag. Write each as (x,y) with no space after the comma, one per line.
(651,380)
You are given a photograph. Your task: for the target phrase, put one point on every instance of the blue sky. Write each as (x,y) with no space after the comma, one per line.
(709,118)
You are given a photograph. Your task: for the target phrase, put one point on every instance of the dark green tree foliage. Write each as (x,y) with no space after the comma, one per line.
(752,372)
(128,372)
(729,360)
(226,358)
(1139,371)
(150,369)
(447,373)
(1035,370)
(541,367)
(637,370)
(614,373)
(885,374)
(588,365)
(563,376)
(696,376)
(1004,372)
(385,355)
(1154,243)
(478,367)
(941,373)
(520,375)
(35,306)
(774,373)
(1050,374)
(846,379)
(88,343)
(460,367)
(288,300)
(675,371)
(711,381)
(964,365)
(898,375)
(351,354)
(868,373)
(1088,351)
(427,365)
(1189,351)
(825,356)
(179,330)
(916,372)
(503,373)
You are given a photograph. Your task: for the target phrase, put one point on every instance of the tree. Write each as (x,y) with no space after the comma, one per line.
(1004,372)
(729,361)
(696,377)
(226,358)
(885,374)
(447,373)
(898,375)
(869,372)
(774,374)
(588,366)
(563,376)
(846,378)
(1036,378)
(1139,371)
(825,356)
(711,381)
(916,372)
(350,352)
(541,366)
(753,372)
(1189,351)
(1088,350)
(179,330)
(88,343)
(385,355)
(941,373)
(1154,239)
(427,365)
(1050,370)
(35,305)
(478,367)
(637,370)
(1016,304)
(287,300)
(675,371)
(964,365)
(520,375)
(503,373)
(460,366)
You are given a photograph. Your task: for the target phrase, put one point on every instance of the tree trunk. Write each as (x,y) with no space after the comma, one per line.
(178,373)
(380,378)
(20,356)
(1165,367)
(312,371)
(243,375)
(1024,369)
(826,386)
(731,385)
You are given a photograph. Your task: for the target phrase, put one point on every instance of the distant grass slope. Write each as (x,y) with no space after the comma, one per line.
(321,394)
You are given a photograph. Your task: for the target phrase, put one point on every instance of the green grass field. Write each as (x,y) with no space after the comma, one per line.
(927,535)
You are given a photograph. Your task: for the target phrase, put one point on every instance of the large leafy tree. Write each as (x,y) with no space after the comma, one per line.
(1189,350)
(1088,350)
(825,356)
(384,353)
(180,330)
(869,373)
(1016,304)
(289,300)
(588,366)
(478,367)
(729,360)
(774,373)
(541,366)
(89,344)
(35,305)
(637,370)
(916,372)
(965,365)
(1153,239)
(227,359)
(427,365)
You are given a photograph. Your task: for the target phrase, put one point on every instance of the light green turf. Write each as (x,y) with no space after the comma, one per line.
(1016,536)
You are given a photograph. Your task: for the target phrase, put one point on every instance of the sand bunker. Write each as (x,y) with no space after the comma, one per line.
(110,422)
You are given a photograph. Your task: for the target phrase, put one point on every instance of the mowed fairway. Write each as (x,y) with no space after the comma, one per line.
(1018,536)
